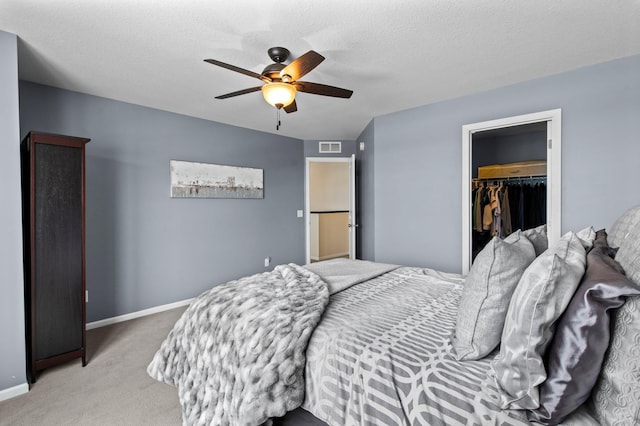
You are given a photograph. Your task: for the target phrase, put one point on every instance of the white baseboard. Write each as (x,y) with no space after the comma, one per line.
(137,314)
(334,255)
(316,258)
(14,391)
(24,388)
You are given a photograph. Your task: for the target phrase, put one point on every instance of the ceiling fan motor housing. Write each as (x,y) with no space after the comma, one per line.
(273,71)
(278,54)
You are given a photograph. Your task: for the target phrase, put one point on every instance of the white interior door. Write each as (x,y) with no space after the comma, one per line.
(330,203)
(353,225)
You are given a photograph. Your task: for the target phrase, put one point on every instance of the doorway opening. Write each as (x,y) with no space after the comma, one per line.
(500,133)
(330,208)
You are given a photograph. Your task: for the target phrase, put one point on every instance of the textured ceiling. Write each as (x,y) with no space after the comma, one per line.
(394,55)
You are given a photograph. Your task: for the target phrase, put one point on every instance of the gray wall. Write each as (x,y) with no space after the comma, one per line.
(365,174)
(12,349)
(144,248)
(418,159)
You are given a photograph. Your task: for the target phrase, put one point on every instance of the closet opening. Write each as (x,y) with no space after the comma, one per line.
(511,179)
(509,182)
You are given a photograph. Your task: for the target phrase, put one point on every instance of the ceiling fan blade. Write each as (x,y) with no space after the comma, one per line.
(322,89)
(292,107)
(239,92)
(238,69)
(302,65)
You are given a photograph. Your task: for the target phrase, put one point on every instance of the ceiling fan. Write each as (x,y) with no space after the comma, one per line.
(281,81)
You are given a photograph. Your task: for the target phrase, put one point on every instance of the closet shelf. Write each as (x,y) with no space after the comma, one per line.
(537,168)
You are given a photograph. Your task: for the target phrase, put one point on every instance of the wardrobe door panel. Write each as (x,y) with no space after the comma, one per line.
(58,298)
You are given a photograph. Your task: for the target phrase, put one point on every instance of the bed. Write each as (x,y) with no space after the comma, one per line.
(365,343)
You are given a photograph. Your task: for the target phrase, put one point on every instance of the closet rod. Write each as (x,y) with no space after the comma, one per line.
(511,178)
(476,182)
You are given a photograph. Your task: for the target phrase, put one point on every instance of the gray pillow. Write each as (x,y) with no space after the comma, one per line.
(615,398)
(543,293)
(577,351)
(494,275)
(538,237)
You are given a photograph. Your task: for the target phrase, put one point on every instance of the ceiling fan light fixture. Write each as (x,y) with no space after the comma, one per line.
(279,94)
(281,82)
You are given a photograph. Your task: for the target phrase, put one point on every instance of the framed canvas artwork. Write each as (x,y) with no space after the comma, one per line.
(202,180)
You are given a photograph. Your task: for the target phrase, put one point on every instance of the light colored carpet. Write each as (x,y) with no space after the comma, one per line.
(114,388)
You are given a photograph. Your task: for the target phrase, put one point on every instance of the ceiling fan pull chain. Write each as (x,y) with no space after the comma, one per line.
(277,119)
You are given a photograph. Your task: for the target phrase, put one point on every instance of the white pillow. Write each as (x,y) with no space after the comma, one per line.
(629,254)
(623,225)
(538,237)
(615,397)
(586,236)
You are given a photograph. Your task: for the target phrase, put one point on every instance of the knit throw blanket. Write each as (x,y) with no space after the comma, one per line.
(237,354)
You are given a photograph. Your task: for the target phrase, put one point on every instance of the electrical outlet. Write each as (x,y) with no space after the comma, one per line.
(267,261)
(361,146)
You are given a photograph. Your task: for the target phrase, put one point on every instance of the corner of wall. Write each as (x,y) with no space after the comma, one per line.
(366,192)
(12,350)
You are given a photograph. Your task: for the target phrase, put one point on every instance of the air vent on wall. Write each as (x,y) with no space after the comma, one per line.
(330,147)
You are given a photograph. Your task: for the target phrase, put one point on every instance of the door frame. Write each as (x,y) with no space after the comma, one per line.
(307,202)
(554,176)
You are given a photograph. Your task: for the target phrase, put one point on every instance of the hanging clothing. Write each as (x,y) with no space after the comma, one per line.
(478,209)
(506,213)
(504,207)
(496,210)
(487,217)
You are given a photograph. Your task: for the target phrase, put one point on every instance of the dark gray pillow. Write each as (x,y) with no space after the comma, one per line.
(601,243)
(582,336)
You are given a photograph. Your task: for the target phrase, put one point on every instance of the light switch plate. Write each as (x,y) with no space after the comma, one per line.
(300,213)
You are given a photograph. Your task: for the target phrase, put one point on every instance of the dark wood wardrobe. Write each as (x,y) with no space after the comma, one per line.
(53,196)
